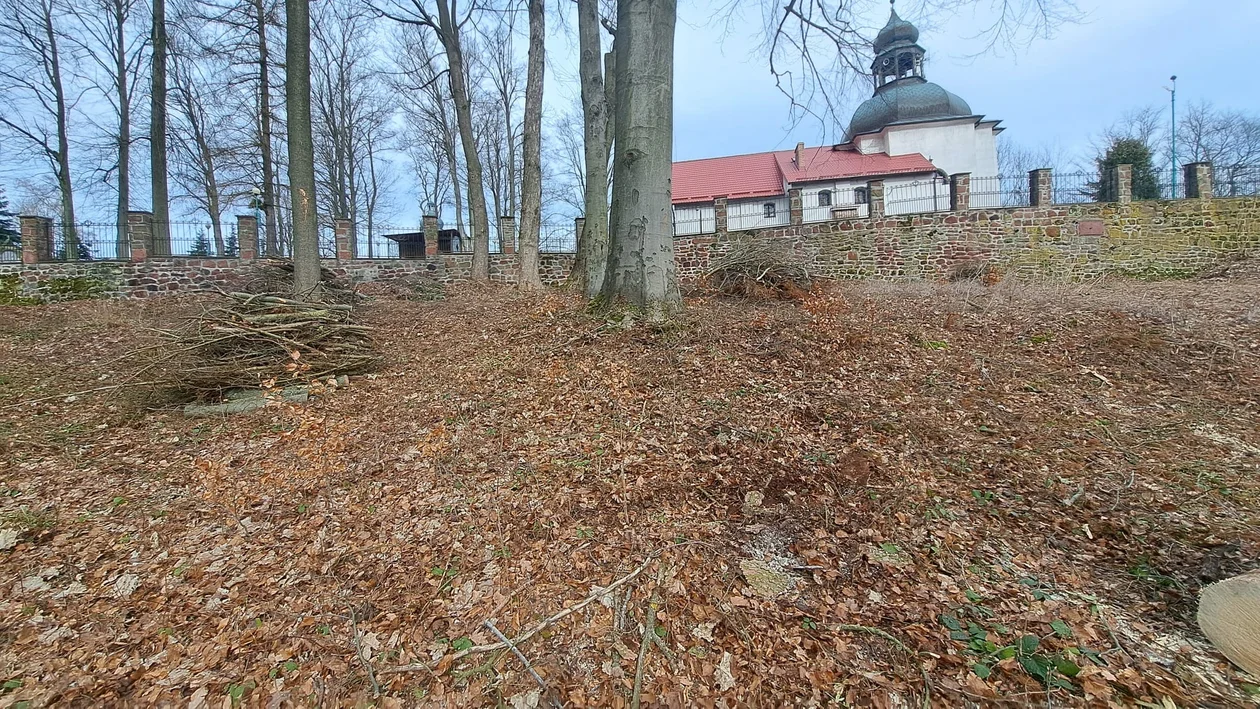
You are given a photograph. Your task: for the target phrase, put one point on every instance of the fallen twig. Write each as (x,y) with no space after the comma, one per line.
(358,650)
(490,624)
(540,626)
(50,397)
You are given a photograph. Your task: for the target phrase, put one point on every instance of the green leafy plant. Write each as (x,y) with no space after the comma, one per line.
(462,643)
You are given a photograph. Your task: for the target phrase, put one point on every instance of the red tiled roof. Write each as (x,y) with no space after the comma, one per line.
(763,174)
(735,176)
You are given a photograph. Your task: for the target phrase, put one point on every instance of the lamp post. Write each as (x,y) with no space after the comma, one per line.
(1173,91)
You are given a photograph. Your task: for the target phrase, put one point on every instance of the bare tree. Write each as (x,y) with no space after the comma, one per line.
(306,269)
(531,178)
(34,105)
(116,49)
(158,188)
(445,20)
(498,61)
(592,253)
(1230,140)
(641,269)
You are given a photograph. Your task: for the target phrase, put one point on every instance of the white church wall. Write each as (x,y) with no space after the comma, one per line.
(694,219)
(952,146)
(871,143)
(757,213)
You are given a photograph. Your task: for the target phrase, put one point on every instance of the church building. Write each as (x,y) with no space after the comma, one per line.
(911,133)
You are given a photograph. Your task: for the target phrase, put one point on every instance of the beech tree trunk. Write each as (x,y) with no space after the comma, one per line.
(121,85)
(157,138)
(641,268)
(531,179)
(472,161)
(297,84)
(592,249)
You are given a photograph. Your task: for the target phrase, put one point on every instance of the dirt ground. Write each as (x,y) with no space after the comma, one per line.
(879,495)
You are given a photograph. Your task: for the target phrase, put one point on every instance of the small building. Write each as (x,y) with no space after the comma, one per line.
(411,243)
(911,133)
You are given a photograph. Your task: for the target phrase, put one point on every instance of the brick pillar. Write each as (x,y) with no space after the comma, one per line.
(719,215)
(430,235)
(796,211)
(1122,183)
(37,241)
(247,237)
(579,225)
(960,192)
(1198,180)
(140,235)
(507,234)
(875,199)
(1041,187)
(343,235)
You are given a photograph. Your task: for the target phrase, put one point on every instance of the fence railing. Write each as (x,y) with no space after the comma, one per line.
(90,242)
(1000,191)
(1074,187)
(757,214)
(847,201)
(917,197)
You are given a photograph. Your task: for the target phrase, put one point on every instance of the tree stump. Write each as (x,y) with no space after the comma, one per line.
(1229,614)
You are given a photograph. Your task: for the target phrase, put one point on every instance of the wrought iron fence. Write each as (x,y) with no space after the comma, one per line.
(1236,181)
(917,197)
(557,238)
(1074,187)
(90,242)
(1162,184)
(821,205)
(689,220)
(1000,191)
(195,239)
(10,249)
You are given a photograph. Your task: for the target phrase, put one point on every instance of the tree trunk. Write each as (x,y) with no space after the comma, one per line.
(641,268)
(269,191)
(157,137)
(68,227)
(592,252)
(463,116)
(301,149)
(124,129)
(531,179)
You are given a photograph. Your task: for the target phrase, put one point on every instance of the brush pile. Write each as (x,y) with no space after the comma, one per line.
(262,338)
(754,269)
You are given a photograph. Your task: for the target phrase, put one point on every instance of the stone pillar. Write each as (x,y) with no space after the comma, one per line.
(796,211)
(719,215)
(1122,183)
(140,235)
(875,199)
(960,192)
(37,241)
(430,235)
(507,234)
(343,238)
(579,225)
(1198,180)
(247,237)
(1040,187)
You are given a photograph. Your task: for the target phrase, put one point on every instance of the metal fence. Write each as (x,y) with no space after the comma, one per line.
(917,197)
(10,250)
(195,239)
(1000,191)
(757,214)
(691,219)
(1236,181)
(90,242)
(1074,187)
(557,238)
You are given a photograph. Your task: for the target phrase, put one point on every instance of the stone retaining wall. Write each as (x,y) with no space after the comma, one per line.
(1147,239)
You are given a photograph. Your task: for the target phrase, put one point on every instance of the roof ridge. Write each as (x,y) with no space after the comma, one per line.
(719,157)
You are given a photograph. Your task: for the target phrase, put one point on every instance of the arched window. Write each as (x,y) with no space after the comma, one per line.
(767,210)
(824,198)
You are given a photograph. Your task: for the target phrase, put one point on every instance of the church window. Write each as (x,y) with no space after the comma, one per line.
(767,210)
(824,198)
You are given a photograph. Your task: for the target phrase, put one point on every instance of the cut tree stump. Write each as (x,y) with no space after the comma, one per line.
(1229,614)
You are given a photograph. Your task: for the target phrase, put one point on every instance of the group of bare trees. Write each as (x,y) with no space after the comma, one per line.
(266,105)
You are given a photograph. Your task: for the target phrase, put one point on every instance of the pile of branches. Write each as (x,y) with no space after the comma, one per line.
(258,338)
(277,277)
(756,269)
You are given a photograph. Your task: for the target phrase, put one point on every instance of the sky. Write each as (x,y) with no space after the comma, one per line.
(1060,91)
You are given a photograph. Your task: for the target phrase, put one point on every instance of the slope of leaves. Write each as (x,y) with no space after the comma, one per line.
(1022,486)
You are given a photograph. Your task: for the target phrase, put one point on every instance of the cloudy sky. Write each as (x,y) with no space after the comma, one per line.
(1059,91)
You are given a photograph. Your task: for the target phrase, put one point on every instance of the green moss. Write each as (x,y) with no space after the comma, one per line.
(1154,273)
(11,291)
(76,287)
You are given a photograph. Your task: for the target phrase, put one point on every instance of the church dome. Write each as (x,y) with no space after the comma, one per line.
(897,30)
(905,101)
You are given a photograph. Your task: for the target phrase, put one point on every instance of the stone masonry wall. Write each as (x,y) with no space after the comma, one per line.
(156,277)
(1150,239)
